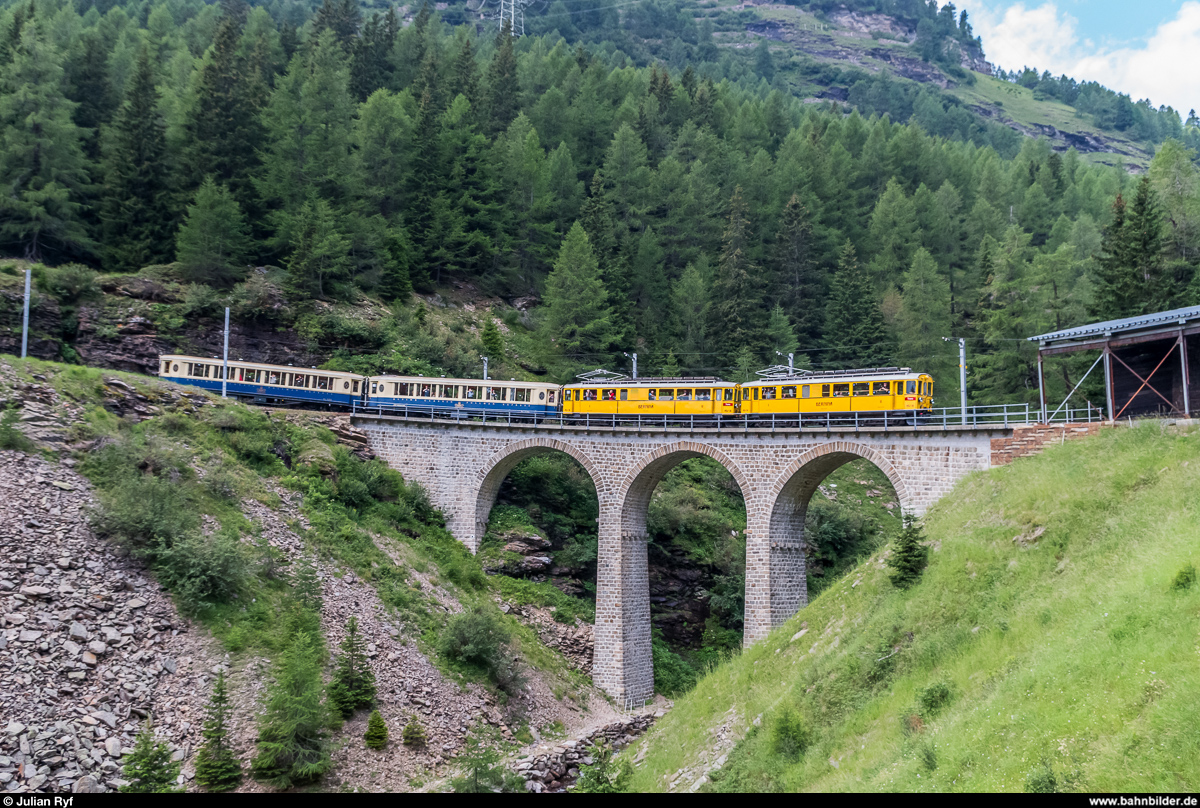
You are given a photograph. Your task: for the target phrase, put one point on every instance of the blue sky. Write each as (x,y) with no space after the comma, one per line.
(1147,48)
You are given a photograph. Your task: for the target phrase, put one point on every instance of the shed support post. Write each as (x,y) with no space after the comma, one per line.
(1108,381)
(1041,388)
(1183,360)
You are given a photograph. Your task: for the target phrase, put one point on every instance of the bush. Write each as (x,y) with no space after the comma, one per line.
(69,283)
(200,300)
(602,777)
(12,438)
(376,736)
(933,698)
(413,734)
(202,570)
(909,557)
(789,736)
(478,639)
(149,769)
(673,676)
(1185,578)
(1041,780)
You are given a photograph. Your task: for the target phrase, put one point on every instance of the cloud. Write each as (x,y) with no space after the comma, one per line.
(1046,37)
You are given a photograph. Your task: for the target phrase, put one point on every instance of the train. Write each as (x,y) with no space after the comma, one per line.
(780,395)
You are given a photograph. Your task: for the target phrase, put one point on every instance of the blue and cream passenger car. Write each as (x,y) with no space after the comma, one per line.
(267,384)
(468,396)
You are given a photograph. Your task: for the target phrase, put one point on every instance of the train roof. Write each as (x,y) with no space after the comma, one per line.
(827,376)
(473,382)
(655,381)
(263,365)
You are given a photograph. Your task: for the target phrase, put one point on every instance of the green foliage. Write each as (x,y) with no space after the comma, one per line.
(306,586)
(933,698)
(673,675)
(790,736)
(414,734)
(353,684)
(565,607)
(1185,578)
(12,438)
(1041,779)
(603,776)
(149,769)
(478,640)
(493,341)
(70,283)
(292,736)
(217,766)
(577,310)
(213,241)
(483,773)
(376,736)
(909,556)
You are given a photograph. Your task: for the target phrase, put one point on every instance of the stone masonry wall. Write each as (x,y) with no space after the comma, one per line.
(1031,440)
(463,465)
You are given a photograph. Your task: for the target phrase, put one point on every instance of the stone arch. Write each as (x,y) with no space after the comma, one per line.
(783,553)
(498,466)
(639,484)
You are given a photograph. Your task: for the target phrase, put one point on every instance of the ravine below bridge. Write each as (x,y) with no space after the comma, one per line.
(463,463)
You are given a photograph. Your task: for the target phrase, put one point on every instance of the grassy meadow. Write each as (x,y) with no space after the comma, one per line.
(1052,644)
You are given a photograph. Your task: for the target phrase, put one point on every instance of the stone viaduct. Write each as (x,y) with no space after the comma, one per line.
(463,464)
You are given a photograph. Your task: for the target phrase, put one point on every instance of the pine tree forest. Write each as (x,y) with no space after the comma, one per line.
(702,216)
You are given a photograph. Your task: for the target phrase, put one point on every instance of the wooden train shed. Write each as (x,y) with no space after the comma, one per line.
(1150,361)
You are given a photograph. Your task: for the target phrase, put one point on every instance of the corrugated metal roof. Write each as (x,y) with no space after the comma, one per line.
(1158,318)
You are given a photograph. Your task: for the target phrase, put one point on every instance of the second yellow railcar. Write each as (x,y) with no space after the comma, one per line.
(895,391)
(690,396)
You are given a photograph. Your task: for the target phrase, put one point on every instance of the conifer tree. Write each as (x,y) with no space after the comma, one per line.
(795,285)
(894,233)
(736,313)
(138,202)
(781,339)
(578,319)
(376,736)
(306,586)
(414,733)
(217,767)
(43,172)
(342,18)
(909,556)
(320,252)
(493,340)
(149,769)
(464,74)
(89,87)
(503,87)
(854,330)
(353,684)
(292,747)
(369,66)
(1116,284)
(925,319)
(213,242)
(223,129)
(690,302)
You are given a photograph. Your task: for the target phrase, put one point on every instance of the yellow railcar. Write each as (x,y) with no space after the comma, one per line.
(896,391)
(690,396)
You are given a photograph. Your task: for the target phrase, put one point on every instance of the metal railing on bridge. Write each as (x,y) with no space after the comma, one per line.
(996,416)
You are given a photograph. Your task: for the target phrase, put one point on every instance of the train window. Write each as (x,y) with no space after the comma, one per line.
(624,395)
(824,391)
(666,395)
(881,388)
(911,388)
(804,390)
(756,394)
(841,390)
(683,395)
(928,388)
(566,395)
(704,395)
(610,395)
(450,391)
(322,382)
(789,392)
(472,393)
(862,388)
(650,396)
(551,401)
(729,394)
(768,393)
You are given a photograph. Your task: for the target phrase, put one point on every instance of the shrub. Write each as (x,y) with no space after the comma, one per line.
(673,676)
(482,775)
(149,769)
(306,586)
(602,777)
(1041,779)
(200,300)
(789,736)
(413,734)
(217,767)
(933,698)
(353,684)
(12,438)
(69,283)
(376,736)
(909,557)
(1185,578)
(202,570)
(478,639)
(292,746)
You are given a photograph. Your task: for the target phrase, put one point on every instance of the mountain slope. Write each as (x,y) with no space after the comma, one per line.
(1045,647)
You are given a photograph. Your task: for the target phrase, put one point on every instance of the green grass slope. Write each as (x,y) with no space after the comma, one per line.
(1045,648)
